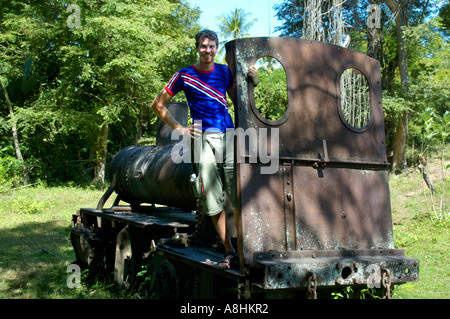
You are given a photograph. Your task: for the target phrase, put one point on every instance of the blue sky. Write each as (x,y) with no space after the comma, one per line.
(262,10)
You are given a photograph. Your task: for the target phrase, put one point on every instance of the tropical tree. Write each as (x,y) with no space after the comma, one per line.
(16,92)
(271,93)
(444,14)
(234,25)
(103,64)
(119,64)
(268,64)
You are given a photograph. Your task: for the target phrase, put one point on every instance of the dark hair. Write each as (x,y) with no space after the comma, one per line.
(206,34)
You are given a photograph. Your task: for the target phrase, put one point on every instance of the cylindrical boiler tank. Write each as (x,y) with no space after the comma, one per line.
(147,174)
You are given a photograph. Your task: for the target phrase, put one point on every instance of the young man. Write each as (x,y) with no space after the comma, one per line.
(205,85)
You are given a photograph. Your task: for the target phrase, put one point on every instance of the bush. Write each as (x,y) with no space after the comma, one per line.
(11,172)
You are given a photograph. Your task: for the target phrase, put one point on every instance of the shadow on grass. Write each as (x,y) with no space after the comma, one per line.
(26,270)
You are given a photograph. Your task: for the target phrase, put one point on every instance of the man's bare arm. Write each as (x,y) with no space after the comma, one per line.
(159,107)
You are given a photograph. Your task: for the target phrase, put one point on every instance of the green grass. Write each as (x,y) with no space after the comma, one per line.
(33,222)
(38,218)
(421,227)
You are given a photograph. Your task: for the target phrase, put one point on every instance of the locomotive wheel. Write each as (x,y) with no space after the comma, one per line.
(164,279)
(124,263)
(88,249)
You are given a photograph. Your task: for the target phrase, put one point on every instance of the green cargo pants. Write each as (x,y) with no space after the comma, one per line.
(212,156)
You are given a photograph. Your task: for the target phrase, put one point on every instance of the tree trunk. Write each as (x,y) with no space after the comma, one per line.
(373,42)
(399,148)
(374,30)
(100,152)
(14,131)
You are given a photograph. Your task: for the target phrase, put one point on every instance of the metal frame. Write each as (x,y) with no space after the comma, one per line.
(330,193)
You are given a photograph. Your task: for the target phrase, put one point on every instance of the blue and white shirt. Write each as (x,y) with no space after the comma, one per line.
(206,94)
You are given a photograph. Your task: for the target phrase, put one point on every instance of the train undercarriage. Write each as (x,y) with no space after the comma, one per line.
(158,252)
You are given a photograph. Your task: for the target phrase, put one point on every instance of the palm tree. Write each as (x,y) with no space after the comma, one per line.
(268,64)
(233,26)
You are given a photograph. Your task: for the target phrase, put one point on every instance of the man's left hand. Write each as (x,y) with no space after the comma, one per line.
(253,74)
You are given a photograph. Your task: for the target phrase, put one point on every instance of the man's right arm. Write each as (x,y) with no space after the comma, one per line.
(159,107)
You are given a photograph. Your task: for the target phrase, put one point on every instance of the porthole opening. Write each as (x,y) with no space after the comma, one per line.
(346,272)
(270,96)
(355,98)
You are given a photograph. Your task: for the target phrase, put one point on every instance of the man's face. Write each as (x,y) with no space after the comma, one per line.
(207,50)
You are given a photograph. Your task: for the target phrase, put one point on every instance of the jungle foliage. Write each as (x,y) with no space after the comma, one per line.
(80,79)
(77,81)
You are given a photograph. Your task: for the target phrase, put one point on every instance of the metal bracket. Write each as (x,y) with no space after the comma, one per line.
(325,159)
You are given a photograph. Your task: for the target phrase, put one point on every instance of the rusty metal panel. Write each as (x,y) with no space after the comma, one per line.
(330,268)
(340,208)
(330,190)
(303,208)
(313,71)
(289,206)
(263,220)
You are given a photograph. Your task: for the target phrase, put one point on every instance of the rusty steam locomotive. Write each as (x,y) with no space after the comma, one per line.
(320,220)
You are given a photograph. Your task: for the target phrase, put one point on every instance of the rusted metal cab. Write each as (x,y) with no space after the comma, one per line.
(323,217)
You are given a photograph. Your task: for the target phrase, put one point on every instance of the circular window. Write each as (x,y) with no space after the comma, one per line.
(355,99)
(270,96)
